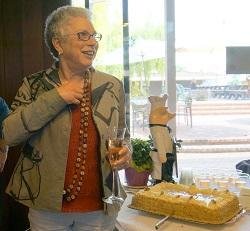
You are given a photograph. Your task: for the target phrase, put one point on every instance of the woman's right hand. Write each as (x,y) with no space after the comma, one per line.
(72,91)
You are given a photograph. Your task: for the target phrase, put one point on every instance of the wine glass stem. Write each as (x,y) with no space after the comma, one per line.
(118,183)
(115,184)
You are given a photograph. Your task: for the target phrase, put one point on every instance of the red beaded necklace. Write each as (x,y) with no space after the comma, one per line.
(73,189)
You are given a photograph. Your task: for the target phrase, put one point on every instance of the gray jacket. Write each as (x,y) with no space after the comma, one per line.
(41,120)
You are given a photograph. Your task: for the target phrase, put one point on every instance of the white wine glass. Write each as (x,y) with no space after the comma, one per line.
(115,142)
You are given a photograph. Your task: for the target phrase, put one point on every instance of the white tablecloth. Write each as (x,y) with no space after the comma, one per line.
(133,220)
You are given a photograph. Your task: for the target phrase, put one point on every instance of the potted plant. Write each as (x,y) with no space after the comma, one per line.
(141,165)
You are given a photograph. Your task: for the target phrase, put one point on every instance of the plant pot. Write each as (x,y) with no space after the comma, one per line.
(135,178)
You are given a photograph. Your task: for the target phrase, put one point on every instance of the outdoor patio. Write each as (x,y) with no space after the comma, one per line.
(209,134)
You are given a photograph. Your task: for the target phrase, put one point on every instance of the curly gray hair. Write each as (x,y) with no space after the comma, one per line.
(57,19)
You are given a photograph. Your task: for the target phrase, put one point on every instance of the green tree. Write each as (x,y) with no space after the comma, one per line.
(113,39)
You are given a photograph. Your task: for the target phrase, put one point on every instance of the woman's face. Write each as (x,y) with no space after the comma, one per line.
(78,55)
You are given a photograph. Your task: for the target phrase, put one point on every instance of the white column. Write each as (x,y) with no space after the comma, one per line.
(170,78)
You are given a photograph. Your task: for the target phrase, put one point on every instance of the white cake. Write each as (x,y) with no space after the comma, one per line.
(188,203)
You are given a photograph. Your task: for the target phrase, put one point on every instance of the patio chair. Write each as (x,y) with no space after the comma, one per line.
(184,108)
(140,114)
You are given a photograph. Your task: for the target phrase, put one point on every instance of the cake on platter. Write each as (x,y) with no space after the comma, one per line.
(209,206)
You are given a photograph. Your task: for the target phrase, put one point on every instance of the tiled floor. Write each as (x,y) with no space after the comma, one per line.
(207,127)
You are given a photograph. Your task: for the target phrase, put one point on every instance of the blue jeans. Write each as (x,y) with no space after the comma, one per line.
(56,221)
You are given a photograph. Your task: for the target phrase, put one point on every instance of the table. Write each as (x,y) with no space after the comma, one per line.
(133,220)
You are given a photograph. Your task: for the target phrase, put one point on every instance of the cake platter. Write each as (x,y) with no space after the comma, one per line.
(236,218)
(241,212)
(133,189)
(231,221)
(188,203)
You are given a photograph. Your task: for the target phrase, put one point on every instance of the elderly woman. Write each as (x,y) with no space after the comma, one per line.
(61,115)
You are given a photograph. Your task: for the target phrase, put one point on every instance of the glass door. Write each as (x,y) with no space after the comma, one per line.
(211,102)
(219,101)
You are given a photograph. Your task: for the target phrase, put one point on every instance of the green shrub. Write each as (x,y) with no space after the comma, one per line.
(141,160)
